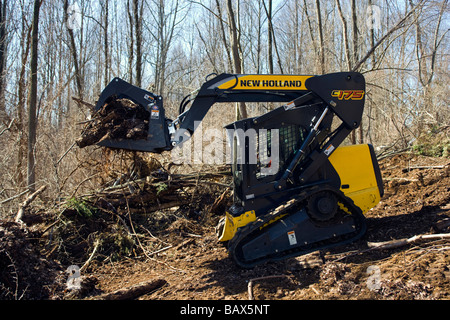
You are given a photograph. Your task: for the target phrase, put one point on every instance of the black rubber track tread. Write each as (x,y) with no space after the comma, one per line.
(253,229)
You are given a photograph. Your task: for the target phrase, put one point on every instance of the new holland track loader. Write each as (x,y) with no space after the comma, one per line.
(296,190)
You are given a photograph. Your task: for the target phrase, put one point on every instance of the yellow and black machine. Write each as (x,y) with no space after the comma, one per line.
(296,189)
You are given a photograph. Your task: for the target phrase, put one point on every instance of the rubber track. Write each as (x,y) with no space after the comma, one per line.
(255,228)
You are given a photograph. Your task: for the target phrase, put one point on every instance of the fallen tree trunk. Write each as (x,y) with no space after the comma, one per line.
(424,167)
(133,292)
(27,202)
(403,242)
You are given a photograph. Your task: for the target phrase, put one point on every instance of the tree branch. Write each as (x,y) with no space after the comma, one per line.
(403,242)
(8,127)
(27,202)
(134,291)
(379,42)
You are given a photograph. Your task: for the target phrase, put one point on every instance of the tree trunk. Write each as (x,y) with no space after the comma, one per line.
(21,91)
(166,22)
(272,41)
(344,35)
(73,51)
(321,42)
(311,31)
(224,38)
(137,12)
(355,56)
(354,33)
(233,38)
(3,46)
(297,40)
(237,63)
(269,36)
(32,99)
(105,43)
(131,44)
(372,39)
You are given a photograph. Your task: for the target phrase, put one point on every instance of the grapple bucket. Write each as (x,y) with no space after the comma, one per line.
(157,138)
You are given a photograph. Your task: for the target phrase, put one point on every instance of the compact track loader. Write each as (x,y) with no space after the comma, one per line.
(296,190)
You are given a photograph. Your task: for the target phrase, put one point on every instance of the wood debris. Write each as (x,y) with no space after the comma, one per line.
(135,291)
(117,119)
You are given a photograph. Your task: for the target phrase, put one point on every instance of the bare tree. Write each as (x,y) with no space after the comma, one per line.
(354,32)
(272,42)
(166,19)
(21,91)
(32,99)
(237,62)
(222,29)
(269,35)
(372,34)
(138,7)
(397,26)
(426,73)
(105,11)
(3,46)
(344,35)
(426,59)
(321,41)
(73,50)
(131,43)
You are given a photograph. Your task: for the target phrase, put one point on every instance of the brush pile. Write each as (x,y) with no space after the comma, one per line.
(116,119)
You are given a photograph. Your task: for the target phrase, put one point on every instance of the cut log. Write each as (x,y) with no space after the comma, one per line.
(403,242)
(425,167)
(133,292)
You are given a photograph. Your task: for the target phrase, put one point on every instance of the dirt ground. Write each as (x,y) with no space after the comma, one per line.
(195,265)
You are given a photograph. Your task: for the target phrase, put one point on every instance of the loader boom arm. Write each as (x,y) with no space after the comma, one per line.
(338,89)
(342,92)
(242,88)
